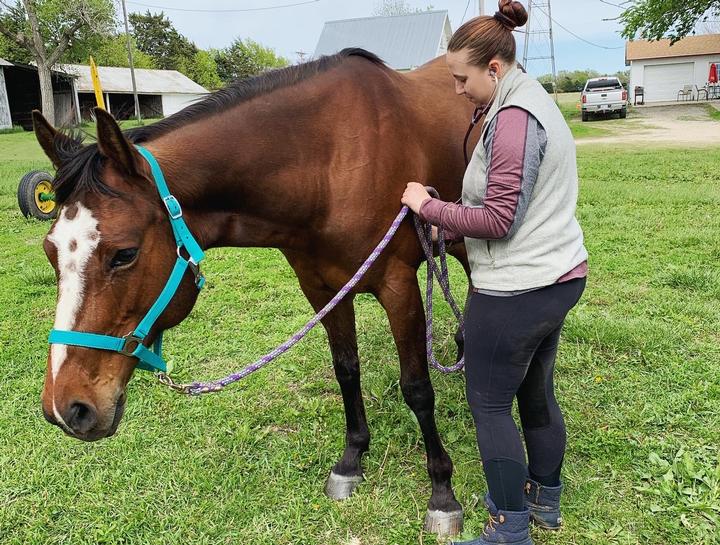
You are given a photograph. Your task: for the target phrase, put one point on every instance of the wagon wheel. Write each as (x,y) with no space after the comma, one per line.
(36,197)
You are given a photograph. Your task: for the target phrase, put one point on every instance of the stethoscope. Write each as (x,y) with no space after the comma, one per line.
(477,114)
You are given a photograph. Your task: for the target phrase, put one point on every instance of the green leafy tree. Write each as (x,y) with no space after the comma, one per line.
(113,52)
(246,58)
(157,37)
(203,69)
(674,19)
(48,29)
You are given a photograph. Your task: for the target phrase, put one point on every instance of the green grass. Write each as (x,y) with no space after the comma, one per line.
(637,377)
(713,111)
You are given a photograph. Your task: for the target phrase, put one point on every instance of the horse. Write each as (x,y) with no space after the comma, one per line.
(311,159)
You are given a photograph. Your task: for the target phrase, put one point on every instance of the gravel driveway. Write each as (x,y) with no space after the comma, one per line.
(678,124)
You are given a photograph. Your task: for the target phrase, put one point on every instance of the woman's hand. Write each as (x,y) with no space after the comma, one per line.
(414,196)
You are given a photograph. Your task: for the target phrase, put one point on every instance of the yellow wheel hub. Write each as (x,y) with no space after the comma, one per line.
(45,205)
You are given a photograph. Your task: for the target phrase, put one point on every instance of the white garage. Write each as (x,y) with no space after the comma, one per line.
(662,81)
(663,70)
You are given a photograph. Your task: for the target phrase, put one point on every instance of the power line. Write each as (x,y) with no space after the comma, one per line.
(224,10)
(580,37)
(613,4)
(465,12)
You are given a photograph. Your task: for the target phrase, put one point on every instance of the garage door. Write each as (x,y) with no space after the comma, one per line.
(663,81)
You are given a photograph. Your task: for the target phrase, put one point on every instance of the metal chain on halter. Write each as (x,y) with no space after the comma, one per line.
(425,236)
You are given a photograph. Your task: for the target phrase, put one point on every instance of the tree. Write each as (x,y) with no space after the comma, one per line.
(46,29)
(396,7)
(203,70)
(246,58)
(157,37)
(674,19)
(113,52)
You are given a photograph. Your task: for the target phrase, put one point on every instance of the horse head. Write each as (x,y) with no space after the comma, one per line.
(112,251)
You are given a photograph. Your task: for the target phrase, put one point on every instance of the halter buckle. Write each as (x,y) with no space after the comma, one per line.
(199,277)
(173,207)
(131,344)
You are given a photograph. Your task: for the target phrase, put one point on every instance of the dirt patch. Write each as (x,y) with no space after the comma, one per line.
(679,125)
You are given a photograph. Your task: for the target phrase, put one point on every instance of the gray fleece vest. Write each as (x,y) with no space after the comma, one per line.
(548,241)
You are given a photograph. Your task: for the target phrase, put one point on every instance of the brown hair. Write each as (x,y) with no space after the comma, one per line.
(487,37)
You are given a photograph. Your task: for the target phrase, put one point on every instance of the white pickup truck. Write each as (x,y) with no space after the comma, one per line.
(604,95)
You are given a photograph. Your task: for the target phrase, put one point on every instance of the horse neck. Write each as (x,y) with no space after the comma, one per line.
(239,175)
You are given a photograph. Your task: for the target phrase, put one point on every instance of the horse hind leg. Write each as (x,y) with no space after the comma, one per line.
(339,324)
(400,297)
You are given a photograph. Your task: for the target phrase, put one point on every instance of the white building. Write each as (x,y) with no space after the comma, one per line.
(663,70)
(404,42)
(160,92)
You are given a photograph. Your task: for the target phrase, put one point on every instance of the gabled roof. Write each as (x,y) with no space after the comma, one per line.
(707,44)
(402,41)
(114,79)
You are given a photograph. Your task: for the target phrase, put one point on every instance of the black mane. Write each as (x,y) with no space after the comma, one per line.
(81,165)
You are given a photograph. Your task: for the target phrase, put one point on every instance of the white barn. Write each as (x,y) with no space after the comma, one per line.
(663,70)
(160,92)
(404,42)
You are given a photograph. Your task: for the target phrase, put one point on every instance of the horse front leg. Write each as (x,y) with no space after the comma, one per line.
(339,324)
(400,297)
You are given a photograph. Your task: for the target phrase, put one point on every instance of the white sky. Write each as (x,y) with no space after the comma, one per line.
(291,29)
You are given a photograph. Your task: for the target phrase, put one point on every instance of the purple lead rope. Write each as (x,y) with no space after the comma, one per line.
(425,236)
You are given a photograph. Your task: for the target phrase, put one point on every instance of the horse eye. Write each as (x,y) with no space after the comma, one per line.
(123,257)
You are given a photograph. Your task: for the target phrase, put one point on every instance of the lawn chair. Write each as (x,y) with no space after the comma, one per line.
(686,93)
(699,91)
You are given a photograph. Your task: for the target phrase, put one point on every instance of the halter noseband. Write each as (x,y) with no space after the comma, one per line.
(132,344)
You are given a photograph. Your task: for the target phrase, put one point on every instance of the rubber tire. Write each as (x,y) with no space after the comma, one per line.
(585,116)
(26,195)
(623,113)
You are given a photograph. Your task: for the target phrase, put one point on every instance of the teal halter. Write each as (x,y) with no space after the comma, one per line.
(132,344)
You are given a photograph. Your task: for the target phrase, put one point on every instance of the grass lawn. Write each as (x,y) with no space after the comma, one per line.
(638,378)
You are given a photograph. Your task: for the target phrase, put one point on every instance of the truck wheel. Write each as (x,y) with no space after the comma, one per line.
(585,116)
(623,113)
(35,195)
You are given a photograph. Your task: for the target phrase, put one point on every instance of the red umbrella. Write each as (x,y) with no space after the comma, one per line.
(713,77)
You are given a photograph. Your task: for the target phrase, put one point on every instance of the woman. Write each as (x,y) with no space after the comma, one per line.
(528,268)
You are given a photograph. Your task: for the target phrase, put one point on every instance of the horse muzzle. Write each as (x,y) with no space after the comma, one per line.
(82,420)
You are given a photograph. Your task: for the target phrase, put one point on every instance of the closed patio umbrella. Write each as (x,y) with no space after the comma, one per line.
(713,77)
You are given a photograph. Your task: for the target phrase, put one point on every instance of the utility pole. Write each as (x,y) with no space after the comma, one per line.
(130,60)
(539,12)
(481,7)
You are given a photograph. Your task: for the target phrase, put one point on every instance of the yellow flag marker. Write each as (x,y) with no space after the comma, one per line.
(96,85)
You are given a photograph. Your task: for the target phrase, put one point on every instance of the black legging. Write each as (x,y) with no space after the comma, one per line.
(510,348)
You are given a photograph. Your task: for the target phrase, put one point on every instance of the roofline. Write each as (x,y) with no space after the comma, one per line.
(388,16)
(670,57)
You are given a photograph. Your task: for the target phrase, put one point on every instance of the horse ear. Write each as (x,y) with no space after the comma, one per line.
(47,137)
(113,144)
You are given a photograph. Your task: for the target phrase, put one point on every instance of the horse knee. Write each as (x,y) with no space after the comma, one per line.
(419,395)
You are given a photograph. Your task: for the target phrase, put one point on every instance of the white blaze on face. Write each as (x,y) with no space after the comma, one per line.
(75,238)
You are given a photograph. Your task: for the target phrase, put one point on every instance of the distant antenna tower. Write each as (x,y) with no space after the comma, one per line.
(539,31)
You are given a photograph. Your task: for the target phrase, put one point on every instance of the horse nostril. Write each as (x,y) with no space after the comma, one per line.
(81,417)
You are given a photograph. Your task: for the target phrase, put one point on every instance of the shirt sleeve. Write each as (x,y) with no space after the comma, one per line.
(513,165)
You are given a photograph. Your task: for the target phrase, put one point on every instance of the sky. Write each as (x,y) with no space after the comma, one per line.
(288,30)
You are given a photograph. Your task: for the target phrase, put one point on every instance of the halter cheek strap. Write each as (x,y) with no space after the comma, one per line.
(132,344)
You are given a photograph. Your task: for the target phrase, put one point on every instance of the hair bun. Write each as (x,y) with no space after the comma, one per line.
(511,14)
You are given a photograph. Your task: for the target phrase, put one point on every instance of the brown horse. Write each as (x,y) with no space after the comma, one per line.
(310,159)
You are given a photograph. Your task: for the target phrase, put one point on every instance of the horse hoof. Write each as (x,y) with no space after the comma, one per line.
(444,523)
(341,487)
